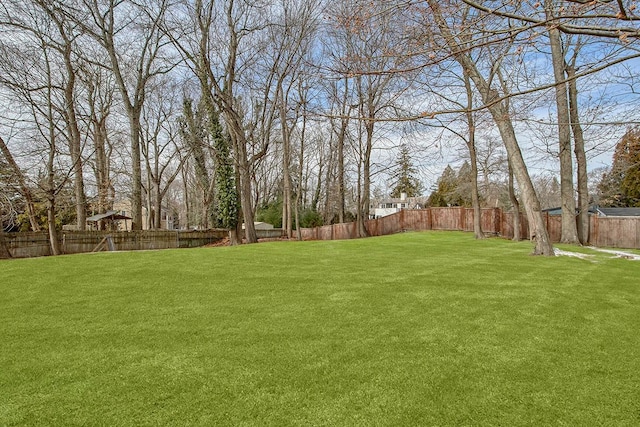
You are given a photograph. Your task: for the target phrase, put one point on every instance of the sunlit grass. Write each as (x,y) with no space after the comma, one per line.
(411,329)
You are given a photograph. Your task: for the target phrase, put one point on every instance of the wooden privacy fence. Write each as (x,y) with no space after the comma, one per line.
(32,244)
(604,231)
(24,245)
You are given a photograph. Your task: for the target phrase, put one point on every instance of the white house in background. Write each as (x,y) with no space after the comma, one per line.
(392,205)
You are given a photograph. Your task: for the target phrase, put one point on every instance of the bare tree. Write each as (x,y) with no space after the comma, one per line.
(368,35)
(569,229)
(100,100)
(130,36)
(500,113)
(160,148)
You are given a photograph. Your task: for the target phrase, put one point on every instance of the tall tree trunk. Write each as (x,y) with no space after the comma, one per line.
(158,205)
(365,195)
(74,138)
(76,158)
(244,169)
(473,158)
(51,195)
(98,113)
(581,158)
(502,119)
(341,185)
(51,224)
(136,170)
(287,218)
(342,134)
(101,168)
(515,206)
(227,103)
(569,229)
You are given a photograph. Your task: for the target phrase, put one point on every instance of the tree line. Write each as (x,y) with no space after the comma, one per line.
(220,109)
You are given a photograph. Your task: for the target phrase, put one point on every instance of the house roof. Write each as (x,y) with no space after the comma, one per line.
(600,211)
(619,211)
(112,215)
(558,210)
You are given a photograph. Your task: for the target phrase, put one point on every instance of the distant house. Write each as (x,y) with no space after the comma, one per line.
(392,205)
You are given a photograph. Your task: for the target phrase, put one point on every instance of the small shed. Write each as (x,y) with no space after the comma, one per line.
(109,218)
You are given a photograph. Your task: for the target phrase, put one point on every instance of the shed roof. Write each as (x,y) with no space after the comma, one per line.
(619,211)
(112,215)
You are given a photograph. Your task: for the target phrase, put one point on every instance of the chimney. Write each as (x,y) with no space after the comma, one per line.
(403,196)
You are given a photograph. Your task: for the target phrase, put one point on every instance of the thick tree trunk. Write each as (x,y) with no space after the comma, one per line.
(365,195)
(51,196)
(340,160)
(158,206)
(502,119)
(537,224)
(515,207)
(75,140)
(101,169)
(244,174)
(51,223)
(581,159)
(136,170)
(569,230)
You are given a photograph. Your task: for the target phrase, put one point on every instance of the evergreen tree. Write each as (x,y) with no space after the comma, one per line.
(447,183)
(620,187)
(404,175)
(461,195)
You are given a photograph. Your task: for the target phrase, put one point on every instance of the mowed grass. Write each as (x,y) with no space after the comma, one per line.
(427,328)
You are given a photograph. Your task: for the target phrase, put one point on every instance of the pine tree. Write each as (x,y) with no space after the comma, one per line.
(404,177)
(620,186)
(447,183)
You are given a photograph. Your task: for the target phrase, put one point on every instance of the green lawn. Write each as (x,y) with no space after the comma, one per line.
(429,328)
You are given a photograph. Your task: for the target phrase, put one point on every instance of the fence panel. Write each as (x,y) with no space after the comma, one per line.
(604,231)
(31,244)
(447,218)
(416,220)
(506,226)
(621,232)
